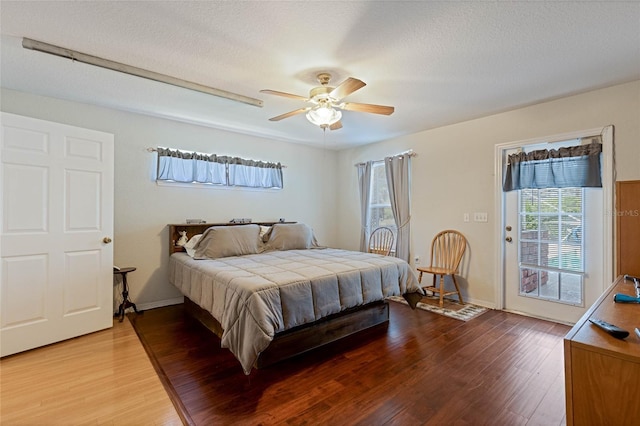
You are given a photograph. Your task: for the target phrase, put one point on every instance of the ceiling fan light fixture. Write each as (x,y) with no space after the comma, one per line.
(323,115)
(327,102)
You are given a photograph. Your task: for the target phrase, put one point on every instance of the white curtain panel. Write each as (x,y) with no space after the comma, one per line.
(364,184)
(398,170)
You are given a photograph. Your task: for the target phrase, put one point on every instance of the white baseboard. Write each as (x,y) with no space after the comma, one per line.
(159,304)
(482,303)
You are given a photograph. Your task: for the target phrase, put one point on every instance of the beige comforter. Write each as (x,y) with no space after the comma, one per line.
(255,296)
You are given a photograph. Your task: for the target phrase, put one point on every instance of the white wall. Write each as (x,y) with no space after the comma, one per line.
(454,172)
(143,209)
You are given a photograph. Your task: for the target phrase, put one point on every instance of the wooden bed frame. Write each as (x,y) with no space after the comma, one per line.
(296,340)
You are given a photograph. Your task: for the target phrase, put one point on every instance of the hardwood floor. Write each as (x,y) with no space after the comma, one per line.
(424,369)
(101,378)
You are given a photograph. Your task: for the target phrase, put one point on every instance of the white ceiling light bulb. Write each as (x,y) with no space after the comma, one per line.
(323,115)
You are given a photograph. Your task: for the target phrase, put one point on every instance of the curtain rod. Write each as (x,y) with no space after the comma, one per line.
(151,149)
(409,153)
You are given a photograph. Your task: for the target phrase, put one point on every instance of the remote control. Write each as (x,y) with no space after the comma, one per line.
(613,330)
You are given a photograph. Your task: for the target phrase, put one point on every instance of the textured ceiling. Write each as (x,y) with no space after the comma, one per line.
(437,62)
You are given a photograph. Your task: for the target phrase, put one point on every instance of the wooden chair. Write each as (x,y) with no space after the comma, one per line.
(447,249)
(381,241)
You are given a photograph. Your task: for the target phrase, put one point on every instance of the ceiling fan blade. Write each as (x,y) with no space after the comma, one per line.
(335,126)
(375,109)
(290,114)
(286,95)
(346,88)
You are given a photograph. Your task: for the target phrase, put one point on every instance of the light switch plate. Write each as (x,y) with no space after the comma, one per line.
(480,217)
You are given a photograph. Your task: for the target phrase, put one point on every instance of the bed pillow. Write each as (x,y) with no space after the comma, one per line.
(290,236)
(226,241)
(190,246)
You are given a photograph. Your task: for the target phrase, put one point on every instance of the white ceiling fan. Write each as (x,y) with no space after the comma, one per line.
(328,101)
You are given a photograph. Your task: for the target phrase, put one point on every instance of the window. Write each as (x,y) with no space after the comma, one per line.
(211,169)
(380,213)
(551,252)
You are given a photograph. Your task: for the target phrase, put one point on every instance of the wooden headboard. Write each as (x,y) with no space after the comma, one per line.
(198,228)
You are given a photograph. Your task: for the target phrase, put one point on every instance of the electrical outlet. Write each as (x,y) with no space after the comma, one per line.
(416,260)
(466,217)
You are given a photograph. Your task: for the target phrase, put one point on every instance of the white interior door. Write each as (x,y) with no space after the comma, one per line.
(57,224)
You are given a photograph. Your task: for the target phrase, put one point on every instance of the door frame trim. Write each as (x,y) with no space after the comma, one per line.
(608,182)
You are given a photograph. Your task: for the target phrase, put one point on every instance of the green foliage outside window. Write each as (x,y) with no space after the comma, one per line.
(556,213)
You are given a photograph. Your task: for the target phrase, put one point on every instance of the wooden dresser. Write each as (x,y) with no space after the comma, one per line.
(602,373)
(628,228)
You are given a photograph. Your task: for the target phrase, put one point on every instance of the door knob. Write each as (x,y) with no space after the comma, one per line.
(508,228)
(106,240)
(508,239)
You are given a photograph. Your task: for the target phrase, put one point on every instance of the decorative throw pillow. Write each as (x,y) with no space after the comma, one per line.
(190,246)
(264,231)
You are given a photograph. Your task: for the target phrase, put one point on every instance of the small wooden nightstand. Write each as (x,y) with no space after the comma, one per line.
(126,303)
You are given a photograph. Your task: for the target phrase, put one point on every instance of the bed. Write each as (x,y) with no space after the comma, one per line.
(270,292)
